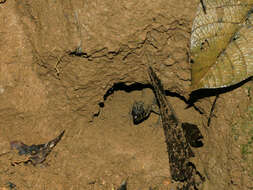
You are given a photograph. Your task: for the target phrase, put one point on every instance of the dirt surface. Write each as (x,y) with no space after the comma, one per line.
(78,66)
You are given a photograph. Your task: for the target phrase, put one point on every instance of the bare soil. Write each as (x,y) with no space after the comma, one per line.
(78,66)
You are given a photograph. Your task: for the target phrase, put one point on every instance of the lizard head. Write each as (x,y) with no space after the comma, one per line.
(139,113)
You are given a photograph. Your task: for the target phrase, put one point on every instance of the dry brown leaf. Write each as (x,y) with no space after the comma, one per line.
(222,43)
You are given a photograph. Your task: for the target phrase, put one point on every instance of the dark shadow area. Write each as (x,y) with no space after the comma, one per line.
(140,86)
(192,135)
(211,114)
(123,186)
(189,104)
(190,164)
(195,172)
(101,105)
(126,88)
(203,93)
(122,86)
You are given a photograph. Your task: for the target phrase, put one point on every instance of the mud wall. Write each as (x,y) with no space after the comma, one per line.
(59,58)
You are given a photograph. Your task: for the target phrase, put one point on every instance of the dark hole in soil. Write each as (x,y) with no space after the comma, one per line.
(121,86)
(101,104)
(140,86)
(126,88)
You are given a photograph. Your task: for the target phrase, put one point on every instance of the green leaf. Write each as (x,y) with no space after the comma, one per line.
(222,43)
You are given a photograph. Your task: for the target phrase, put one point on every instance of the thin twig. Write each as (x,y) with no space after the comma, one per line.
(211,112)
(203,6)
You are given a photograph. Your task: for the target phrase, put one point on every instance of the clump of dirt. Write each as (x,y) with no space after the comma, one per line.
(72,65)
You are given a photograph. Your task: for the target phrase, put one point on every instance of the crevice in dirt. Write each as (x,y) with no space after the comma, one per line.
(95,115)
(122,87)
(126,88)
(150,39)
(101,105)
(103,52)
(78,52)
(139,86)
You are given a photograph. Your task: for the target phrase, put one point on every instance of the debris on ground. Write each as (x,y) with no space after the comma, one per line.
(123,186)
(179,150)
(34,154)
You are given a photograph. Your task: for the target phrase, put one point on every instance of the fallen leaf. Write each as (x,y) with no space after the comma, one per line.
(222,43)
